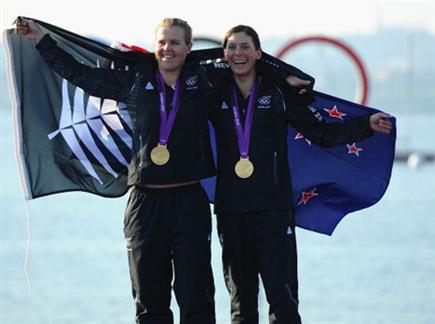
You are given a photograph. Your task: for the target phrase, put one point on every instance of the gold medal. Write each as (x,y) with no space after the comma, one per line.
(160,154)
(244,168)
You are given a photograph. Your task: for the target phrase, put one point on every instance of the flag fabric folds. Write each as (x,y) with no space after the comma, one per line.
(62,138)
(330,183)
(68,140)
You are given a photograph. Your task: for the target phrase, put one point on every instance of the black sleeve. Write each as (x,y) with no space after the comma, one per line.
(272,67)
(212,64)
(307,120)
(207,54)
(216,72)
(285,69)
(99,82)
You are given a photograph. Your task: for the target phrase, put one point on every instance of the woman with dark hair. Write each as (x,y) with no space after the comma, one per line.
(253,195)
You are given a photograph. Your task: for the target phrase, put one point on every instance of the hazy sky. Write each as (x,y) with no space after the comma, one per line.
(134,21)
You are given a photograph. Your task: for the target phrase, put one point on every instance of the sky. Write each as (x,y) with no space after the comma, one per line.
(134,22)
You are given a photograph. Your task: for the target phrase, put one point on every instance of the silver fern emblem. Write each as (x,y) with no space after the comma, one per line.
(77,124)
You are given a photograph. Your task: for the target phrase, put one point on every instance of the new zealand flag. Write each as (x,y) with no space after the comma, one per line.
(67,140)
(330,183)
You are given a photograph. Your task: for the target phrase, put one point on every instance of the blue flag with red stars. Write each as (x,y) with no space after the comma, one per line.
(332,182)
(329,183)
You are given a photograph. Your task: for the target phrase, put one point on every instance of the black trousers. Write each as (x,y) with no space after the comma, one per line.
(260,243)
(168,233)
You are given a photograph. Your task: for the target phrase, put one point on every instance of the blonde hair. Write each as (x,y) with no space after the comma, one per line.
(171,22)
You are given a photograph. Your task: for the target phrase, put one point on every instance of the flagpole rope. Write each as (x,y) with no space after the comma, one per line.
(29,241)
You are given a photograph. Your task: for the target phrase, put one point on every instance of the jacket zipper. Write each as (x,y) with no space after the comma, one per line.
(140,149)
(201,143)
(275,166)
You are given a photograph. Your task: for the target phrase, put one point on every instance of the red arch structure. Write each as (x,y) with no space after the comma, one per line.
(341,46)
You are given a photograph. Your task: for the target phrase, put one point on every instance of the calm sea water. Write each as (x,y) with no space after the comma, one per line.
(377,268)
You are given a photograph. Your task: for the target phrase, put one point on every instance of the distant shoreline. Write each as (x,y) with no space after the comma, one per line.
(414,157)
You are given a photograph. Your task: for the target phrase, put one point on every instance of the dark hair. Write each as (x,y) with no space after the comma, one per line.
(247,30)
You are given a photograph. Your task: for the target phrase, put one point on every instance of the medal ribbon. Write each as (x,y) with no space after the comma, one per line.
(167,119)
(244,131)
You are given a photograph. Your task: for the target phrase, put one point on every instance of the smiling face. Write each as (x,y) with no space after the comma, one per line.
(171,48)
(241,54)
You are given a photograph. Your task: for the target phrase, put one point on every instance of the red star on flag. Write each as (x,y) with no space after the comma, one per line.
(307,196)
(353,149)
(335,113)
(300,136)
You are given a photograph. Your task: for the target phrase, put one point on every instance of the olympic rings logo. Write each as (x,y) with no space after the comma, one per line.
(265,100)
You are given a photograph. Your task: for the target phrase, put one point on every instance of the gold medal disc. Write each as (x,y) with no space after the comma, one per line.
(244,168)
(160,154)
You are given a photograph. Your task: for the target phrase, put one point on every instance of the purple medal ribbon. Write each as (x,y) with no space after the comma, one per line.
(244,131)
(167,119)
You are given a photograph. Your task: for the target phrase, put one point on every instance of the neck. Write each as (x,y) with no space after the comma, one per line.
(170,77)
(245,82)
